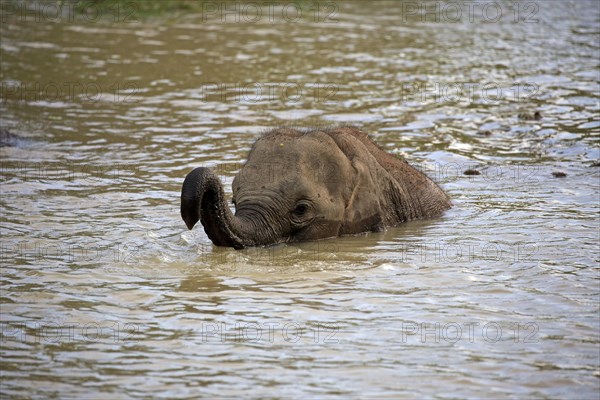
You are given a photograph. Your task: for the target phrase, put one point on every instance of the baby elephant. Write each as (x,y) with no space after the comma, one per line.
(300,185)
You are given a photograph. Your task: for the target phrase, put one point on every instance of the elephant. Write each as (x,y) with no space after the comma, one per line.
(309,184)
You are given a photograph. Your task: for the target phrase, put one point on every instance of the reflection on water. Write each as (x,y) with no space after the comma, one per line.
(104,291)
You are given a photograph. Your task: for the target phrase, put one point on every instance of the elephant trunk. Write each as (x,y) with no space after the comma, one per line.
(202,198)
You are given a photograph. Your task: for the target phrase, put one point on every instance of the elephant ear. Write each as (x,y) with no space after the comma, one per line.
(363,193)
(409,193)
(363,210)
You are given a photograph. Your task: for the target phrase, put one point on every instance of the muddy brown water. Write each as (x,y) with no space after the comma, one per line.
(105,293)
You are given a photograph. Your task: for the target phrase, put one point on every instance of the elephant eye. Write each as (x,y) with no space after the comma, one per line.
(301,209)
(302,212)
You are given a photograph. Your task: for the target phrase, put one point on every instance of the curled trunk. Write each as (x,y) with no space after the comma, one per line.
(203,199)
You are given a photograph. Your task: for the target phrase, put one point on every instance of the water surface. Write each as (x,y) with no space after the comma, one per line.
(104,292)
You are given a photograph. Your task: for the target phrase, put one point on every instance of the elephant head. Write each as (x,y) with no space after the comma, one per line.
(300,185)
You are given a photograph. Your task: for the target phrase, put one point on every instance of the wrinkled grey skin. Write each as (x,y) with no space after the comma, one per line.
(300,185)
